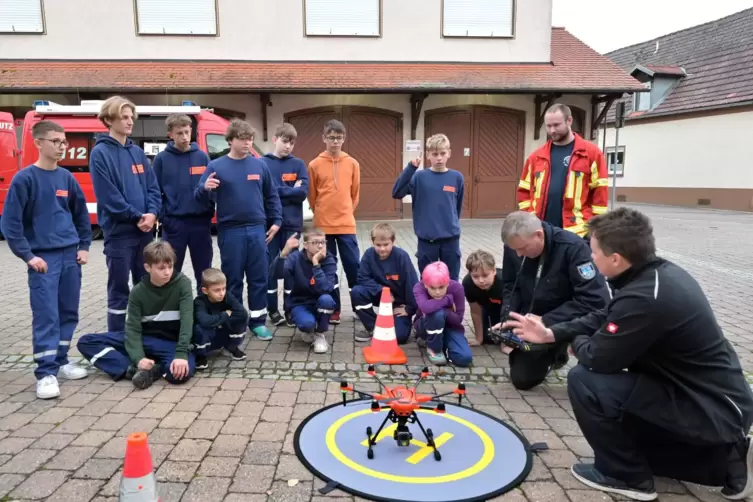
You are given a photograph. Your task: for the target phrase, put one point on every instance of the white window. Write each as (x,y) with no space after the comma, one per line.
(610,158)
(21,16)
(642,100)
(354,18)
(176,17)
(478,18)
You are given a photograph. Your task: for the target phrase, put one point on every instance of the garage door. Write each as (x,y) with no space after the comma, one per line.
(487,147)
(374,139)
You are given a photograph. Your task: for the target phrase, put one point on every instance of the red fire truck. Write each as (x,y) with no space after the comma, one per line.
(81,125)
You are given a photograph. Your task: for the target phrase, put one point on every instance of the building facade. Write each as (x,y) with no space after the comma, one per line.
(392,71)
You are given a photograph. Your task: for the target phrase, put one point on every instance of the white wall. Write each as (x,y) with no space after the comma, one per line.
(273,30)
(704,152)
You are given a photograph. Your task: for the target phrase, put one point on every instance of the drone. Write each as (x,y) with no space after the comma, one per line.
(403,403)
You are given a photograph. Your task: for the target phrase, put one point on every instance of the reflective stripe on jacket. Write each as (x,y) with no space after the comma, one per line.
(586,188)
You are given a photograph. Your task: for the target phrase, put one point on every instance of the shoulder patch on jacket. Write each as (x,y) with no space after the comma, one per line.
(587,271)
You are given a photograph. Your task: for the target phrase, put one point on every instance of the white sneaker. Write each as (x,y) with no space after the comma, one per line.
(48,388)
(307,337)
(71,371)
(320,344)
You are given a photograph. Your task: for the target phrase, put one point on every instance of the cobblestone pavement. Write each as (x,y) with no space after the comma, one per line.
(227,434)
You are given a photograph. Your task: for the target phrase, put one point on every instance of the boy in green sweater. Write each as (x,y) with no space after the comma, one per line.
(159,326)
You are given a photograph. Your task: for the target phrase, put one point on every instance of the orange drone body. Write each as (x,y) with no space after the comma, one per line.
(403,401)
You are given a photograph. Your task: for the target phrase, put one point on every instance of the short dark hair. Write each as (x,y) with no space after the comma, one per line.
(239,128)
(41,128)
(177,120)
(286,131)
(158,252)
(480,260)
(334,126)
(625,231)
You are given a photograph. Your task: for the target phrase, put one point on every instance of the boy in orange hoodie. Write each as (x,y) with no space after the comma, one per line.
(334,189)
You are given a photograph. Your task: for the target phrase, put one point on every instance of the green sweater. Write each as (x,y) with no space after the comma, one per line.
(162,312)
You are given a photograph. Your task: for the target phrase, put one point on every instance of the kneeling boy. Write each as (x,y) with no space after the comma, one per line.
(219,319)
(310,276)
(159,326)
(484,290)
(385,265)
(439,319)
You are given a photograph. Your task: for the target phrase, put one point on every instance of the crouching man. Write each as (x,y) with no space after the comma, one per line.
(658,391)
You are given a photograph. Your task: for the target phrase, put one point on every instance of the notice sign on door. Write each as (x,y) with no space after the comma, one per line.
(413,145)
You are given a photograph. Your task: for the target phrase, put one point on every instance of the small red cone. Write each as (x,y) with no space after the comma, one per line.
(384,348)
(138,483)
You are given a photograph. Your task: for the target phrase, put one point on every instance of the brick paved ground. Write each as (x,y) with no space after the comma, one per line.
(227,435)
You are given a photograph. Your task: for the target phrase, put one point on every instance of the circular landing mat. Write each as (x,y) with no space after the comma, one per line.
(481,456)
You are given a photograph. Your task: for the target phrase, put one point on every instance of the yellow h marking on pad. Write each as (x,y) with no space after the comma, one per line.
(422,453)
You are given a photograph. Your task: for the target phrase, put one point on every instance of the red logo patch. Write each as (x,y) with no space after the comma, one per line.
(137,169)
(312,281)
(198,170)
(61,193)
(612,328)
(496,300)
(289,177)
(448,188)
(393,277)
(253,177)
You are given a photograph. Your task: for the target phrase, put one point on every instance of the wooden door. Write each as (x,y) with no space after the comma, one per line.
(456,124)
(373,138)
(497,158)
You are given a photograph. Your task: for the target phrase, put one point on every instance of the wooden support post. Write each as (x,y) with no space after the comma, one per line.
(596,120)
(416,104)
(541,99)
(265,103)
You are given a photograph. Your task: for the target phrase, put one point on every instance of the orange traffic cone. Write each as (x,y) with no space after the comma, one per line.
(384,348)
(138,483)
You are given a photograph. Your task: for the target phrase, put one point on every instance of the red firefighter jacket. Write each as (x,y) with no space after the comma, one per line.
(586,187)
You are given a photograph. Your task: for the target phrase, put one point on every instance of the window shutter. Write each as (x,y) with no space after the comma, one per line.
(343,17)
(176,17)
(478,18)
(21,16)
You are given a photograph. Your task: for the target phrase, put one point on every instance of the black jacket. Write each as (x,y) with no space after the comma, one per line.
(569,287)
(661,326)
(214,315)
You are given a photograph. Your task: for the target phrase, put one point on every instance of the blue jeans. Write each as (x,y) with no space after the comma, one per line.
(308,318)
(443,340)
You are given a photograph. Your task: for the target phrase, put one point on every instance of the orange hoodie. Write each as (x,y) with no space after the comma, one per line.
(334,189)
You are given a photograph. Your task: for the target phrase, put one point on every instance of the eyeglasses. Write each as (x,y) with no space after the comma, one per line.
(317,243)
(57,143)
(335,139)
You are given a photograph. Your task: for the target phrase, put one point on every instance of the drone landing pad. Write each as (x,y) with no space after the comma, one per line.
(481,456)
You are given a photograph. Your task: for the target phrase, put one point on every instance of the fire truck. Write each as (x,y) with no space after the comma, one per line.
(17,148)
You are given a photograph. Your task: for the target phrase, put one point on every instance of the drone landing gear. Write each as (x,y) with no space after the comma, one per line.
(402,434)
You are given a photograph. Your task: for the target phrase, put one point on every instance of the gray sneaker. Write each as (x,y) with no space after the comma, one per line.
(363,336)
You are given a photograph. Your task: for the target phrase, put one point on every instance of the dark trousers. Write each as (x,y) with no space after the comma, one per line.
(444,250)
(54,298)
(631,449)
(273,250)
(124,257)
(308,318)
(444,340)
(194,234)
(243,252)
(225,336)
(364,305)
(350,257)
(529,369)
(107,352)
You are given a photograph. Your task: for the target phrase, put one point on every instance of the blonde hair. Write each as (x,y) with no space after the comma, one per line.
(438,142)
(383,229)
(112,109)
(212,277)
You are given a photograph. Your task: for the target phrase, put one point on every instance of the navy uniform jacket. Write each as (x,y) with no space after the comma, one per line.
(569,287)
(396,272)
(304,282)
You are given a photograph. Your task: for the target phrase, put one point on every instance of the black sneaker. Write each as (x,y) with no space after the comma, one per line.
(289,321)
(143,379)
(588,475)
(201,363)
(739,482)
(130,372)
(237,354)
(560,361)
(275,318)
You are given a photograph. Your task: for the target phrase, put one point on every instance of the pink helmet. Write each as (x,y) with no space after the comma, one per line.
(435,275)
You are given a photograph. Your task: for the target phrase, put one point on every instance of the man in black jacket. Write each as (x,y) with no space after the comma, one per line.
(658,390)
(546,272)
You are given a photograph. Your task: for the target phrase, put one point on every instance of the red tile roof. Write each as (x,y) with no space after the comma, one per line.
(575,67)
(717,58)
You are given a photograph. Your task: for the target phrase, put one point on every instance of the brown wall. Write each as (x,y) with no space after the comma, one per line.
(717,198)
